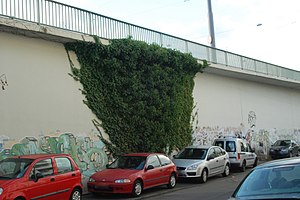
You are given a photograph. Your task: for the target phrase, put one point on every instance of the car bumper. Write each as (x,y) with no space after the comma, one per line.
(188,174)
(95,187)
(280,154)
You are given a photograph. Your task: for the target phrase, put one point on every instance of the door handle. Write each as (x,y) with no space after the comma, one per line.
(52,179)
(73,174)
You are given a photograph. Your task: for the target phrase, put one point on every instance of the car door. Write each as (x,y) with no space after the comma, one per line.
(44,187)
(212,162)
(220,160)
(66,177)
(166,167)
(153,172)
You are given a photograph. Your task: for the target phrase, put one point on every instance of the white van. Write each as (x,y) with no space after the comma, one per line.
(240,153)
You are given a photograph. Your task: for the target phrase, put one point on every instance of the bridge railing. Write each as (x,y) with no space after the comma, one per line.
(51,13)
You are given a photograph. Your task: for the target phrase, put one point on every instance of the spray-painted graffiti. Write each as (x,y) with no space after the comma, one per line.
(88,153)
(259,139)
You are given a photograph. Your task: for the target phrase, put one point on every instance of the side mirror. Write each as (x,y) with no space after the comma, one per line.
(150,167)
(36,176)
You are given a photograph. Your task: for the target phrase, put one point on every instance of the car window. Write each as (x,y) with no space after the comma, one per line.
(211,153)
(164,160)
(44,167)
(153,160)
(230,146)
(129,162)
(192,153)
(218,152)
(219,143)
(243,148)
(13,167)
(64,165)
(271,181)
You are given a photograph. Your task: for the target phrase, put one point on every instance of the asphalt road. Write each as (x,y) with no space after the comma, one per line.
(216,188)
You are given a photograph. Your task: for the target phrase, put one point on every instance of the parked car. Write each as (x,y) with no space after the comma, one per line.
(132,173)
(40,176)
(278,179)
(284,149)
(241,155)
(201,162)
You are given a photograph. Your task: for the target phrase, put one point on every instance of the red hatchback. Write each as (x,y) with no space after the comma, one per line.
(40,176)
(132,173)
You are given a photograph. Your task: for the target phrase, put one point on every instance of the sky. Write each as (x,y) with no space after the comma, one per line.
(267,30)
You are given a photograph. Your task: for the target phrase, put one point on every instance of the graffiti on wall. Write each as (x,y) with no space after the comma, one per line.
(259,139)
(88,152)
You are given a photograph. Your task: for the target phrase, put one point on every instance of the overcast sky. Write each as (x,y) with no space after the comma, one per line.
(276,40)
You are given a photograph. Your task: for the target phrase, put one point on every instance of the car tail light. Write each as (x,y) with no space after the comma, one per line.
(239,156)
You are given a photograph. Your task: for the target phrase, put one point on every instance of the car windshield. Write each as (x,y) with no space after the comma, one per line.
(282,143)
(192,153)
(11,168)
(129,162)
(283,181)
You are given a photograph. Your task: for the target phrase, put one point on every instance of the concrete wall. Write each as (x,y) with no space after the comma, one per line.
(41,108)
(260,112)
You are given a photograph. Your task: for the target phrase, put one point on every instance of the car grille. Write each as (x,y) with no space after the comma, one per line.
(180,168)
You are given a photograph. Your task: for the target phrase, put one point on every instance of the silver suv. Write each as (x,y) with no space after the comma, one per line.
(240,152)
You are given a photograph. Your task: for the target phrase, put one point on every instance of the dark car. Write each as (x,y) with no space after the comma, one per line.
(278,179)
(40,176)
(284,149)
(132,173)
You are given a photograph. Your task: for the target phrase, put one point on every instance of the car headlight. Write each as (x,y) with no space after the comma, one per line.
(92,180)
(125,180)
(1,191)
(284,150)
(193,167)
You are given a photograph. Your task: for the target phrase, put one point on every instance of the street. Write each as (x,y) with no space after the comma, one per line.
(216,188)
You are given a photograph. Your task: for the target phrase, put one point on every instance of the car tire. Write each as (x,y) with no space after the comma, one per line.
(172,181)
(137,188)
(204,174)
(243,167)
(255,162)
(226,170)
(76,194)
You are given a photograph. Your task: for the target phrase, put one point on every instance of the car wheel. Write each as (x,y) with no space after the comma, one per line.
(137,188)
(76,194)
(203,177)
(172,181)
(226,171)
(255,162)
(243,167)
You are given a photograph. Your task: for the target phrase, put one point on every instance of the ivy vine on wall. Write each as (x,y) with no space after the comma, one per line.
(141,93)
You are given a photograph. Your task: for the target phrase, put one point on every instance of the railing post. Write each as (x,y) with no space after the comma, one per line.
(38,11)
(242,62)
(226,59)
(186,47)
(91,22)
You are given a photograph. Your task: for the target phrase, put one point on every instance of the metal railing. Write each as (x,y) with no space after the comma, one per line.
(51,13)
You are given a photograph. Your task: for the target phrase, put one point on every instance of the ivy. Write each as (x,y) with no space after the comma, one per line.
(141,93)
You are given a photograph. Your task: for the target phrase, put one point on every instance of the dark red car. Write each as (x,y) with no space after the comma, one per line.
(132,173)
(40,176)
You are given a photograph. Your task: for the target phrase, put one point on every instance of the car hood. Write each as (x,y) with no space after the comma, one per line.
(6,182)
(186,162)
(283,196)
(113,174)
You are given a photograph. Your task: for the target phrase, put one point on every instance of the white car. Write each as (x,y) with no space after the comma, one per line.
(201,162)
(241,155)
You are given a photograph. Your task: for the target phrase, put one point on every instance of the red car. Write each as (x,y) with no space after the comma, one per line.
(40,176)
(132,173)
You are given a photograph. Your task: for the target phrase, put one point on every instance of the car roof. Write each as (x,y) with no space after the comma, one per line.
(144,154)
(199,147)
(38,156)
(280,162)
